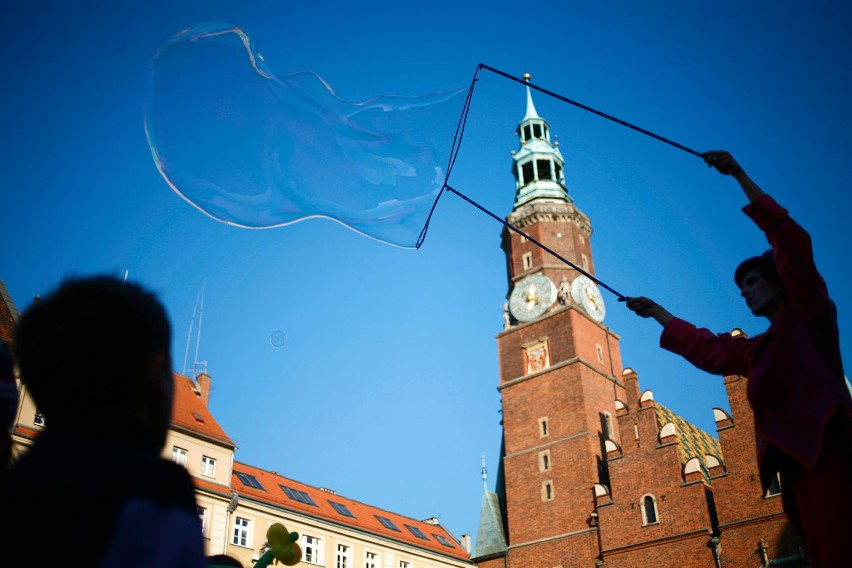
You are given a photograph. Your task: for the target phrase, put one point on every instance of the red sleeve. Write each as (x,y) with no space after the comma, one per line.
(719,354)
(794,260)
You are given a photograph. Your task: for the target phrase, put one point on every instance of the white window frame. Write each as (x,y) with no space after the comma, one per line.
(372,559)
(208,466)
(242,532)
(343,557)
(312,549)
(202,517)
(653,499)
(179,455)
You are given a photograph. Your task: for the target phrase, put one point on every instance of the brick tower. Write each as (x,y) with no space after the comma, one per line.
(560,369)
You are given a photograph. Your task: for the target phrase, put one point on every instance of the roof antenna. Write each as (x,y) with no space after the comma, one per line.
(199,298)
(196,363)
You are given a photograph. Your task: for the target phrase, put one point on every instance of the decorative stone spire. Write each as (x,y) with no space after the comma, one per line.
(538,164)
(490,539)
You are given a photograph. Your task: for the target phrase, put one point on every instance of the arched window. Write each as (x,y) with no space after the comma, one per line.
(649,510)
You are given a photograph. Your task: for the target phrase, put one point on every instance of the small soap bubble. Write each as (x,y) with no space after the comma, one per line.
(254,149)
(278,339)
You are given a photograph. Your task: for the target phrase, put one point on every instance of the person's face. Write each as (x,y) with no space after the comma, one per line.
(762,296)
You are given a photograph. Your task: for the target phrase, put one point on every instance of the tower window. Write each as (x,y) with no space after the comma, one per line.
(599,349)
(542,427)
(547,491)
(537,130)
(649,510)
(544,461)
(558,171)
(527,260)
(606,425)
(774,486)
(544,169)
(528,174)
(585,261)
(526,133)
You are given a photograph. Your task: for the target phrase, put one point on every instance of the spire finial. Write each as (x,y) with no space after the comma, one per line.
(527,77)
(484,473)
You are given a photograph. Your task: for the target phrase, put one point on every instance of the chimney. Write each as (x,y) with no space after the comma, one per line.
(203,381)
(465,542)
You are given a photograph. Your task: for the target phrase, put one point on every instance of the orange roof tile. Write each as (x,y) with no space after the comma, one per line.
(364,517)
(191,413)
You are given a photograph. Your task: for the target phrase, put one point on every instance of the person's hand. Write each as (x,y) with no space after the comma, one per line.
(647,308)
(722,161)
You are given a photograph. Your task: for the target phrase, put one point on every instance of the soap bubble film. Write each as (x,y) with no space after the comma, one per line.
(258,150)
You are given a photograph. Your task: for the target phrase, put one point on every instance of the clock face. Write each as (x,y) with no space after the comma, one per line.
(585,292)
(531,297)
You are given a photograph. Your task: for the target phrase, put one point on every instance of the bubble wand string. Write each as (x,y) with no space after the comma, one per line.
(535,242)
(457,144)
(590,109)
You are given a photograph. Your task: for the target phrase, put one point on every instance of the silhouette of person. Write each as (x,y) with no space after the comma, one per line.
(8,403)
(796,384)
(95,355)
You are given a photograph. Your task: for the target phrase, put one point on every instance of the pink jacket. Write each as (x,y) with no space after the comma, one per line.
(794,369)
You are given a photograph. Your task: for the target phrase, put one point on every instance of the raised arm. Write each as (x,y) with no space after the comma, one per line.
(727,165)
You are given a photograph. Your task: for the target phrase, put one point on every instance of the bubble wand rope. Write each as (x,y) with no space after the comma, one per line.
(590,109)
(535,242)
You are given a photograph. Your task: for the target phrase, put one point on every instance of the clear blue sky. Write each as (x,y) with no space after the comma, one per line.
(386,388)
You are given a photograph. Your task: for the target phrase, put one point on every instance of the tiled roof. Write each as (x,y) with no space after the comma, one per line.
(364,517)
(693,442)
(191,413)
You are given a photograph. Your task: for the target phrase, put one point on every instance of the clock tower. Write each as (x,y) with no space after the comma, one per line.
(560,369)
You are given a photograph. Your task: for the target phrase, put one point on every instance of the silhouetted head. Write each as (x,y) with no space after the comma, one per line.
(760,285)
(98,345)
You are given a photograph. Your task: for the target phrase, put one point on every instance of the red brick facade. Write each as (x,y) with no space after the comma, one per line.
(591,472)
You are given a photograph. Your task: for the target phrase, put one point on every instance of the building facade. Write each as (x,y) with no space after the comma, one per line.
(594,471)
(237,502)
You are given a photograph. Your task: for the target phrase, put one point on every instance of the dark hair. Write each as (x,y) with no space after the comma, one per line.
(764,264)
(89,343)
(223,560)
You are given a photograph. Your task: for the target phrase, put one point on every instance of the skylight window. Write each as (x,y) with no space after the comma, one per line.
(443,540)
(249,480)
(342,509)
(297,495)
(387,523)
(416,532)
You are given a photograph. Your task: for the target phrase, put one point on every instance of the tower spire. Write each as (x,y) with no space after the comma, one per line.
(538,163)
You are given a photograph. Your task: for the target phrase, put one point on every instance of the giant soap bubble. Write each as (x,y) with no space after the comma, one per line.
(256,150)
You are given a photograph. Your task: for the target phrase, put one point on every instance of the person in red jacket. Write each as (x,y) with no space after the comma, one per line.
(796,384)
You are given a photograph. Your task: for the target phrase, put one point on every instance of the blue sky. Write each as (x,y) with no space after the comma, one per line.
(386,388)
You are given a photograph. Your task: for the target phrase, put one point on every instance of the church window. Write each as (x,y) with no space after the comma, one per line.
(527,260)
(542,427)
(528,174)
(544,460)
(544,169)
(649,510)
(547,491)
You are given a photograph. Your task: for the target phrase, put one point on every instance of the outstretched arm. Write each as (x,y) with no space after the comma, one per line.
(727,165)
(647,308)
